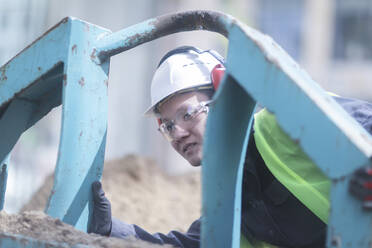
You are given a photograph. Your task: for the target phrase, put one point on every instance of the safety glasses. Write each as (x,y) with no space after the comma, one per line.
(185,120)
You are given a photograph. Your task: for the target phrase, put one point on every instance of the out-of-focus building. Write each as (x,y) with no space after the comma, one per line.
(330,39)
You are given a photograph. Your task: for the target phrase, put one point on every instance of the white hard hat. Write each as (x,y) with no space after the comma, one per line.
(181,72)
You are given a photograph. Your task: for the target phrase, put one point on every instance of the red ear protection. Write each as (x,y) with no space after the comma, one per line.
(217,75)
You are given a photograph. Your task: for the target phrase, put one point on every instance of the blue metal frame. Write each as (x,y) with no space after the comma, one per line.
(3,179)
(69,66)
(58,69)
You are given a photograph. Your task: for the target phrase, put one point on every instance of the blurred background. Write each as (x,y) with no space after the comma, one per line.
(332,40)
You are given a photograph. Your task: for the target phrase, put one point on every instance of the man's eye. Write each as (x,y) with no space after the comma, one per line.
(169,127)
(187,116)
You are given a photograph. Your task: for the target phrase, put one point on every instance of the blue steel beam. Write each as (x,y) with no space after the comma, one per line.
(331,138)
(161,26)
(83,129)
(58,69)
(226,138)
(20,74)
(3,180)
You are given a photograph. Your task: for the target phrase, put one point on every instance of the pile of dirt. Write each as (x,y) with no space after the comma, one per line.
(42,227)
(141,193)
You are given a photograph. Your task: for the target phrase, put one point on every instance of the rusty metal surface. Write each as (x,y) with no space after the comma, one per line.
(159,27)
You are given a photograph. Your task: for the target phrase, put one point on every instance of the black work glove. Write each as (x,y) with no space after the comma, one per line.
(101,221)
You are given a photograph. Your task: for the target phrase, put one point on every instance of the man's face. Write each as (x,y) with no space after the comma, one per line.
(186,141)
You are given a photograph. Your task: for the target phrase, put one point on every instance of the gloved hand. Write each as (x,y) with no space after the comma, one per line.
(101,221)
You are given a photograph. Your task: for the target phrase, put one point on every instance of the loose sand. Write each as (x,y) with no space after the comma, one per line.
(37,225)
(139,192)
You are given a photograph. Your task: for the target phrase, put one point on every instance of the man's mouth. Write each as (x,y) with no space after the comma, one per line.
(188,146)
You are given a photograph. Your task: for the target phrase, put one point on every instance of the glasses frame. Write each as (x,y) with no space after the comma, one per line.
(196,111)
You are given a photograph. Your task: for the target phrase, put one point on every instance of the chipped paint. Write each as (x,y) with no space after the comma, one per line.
(30,85)
(93,55)
(64,79)
(3,70)
(74,48)
(82,82)
(161,26)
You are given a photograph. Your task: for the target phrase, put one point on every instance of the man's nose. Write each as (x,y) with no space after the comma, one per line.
(180,132)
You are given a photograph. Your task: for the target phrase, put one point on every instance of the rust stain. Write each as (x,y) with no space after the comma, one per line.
(3,71)
(169,24)
(64,79)
(73,49)
(106,82)
(93,54)
(82,82)
(81,134)
(86,27)
(39,68)
(28,86)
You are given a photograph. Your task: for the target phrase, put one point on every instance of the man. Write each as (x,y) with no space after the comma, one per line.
(273,211)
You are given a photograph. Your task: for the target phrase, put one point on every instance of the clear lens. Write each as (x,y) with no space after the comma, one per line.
(184,120)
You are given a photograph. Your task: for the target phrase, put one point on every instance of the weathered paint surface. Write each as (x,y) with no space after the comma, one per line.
(158,27)
(307,113)
(83,129)
(54,70)
(3,179)
(227,136)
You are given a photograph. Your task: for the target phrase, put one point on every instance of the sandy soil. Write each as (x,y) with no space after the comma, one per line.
(142,194)
(39,226)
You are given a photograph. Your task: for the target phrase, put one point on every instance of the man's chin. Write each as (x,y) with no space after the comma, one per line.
(194,161)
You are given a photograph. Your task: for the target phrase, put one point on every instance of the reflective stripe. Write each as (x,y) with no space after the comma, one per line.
(291,166)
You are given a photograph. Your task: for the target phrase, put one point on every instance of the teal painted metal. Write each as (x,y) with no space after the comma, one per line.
(83,130)
(226,143)
(310,116)
(58,69)
(72,71)
(3,179)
